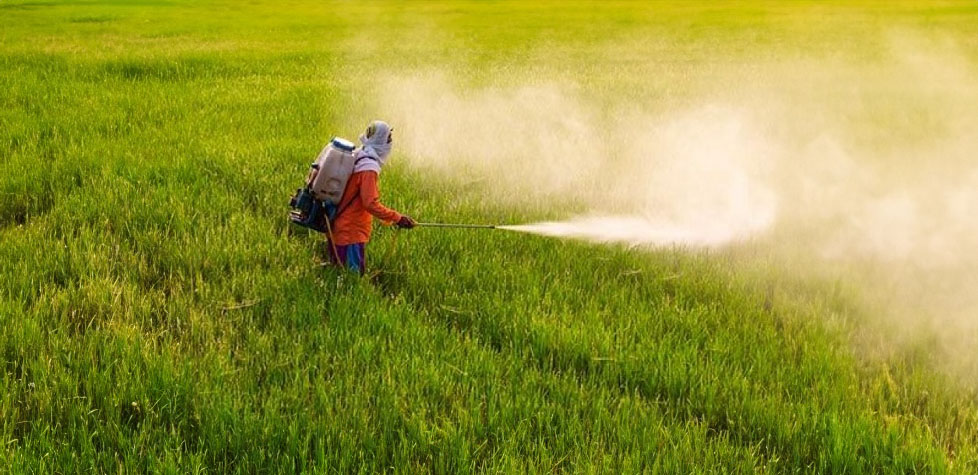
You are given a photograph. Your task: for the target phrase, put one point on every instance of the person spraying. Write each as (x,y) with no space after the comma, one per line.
(360,202)
(340,197)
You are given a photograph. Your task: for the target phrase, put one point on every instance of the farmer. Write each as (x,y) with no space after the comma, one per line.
(352,225)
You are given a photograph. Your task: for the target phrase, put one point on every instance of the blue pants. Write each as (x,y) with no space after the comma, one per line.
(351,256)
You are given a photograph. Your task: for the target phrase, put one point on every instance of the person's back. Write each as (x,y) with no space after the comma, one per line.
(361,199)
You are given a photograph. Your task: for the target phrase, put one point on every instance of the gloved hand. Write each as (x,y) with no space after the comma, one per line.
(406,222)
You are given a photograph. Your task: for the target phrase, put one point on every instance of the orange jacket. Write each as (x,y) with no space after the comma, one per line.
(360,200)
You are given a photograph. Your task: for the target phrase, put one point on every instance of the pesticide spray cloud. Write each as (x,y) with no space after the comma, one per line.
(697,178)
(870,168)
(880,168)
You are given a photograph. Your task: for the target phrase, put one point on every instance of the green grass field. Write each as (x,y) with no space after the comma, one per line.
(159,313)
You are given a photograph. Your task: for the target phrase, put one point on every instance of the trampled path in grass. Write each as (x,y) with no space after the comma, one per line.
(158,312)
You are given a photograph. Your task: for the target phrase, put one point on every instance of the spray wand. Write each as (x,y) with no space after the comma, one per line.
(452,225)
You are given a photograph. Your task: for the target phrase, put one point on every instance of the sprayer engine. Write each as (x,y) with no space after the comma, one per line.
(308,211)
(316,203)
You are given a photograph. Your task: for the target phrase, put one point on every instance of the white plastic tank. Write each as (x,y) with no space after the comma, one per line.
(333,169)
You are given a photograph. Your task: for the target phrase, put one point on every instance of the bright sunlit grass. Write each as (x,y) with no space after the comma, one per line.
(159,313)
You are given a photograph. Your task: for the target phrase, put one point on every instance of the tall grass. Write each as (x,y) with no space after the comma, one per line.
(158,312)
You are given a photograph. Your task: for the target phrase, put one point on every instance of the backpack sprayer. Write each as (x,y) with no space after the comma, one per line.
(316,204)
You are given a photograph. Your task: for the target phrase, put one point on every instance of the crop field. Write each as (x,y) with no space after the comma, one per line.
(159,313)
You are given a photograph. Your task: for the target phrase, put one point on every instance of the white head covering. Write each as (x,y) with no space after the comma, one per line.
(373,154)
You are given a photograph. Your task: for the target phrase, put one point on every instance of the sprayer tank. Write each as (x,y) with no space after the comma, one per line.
(331,171)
